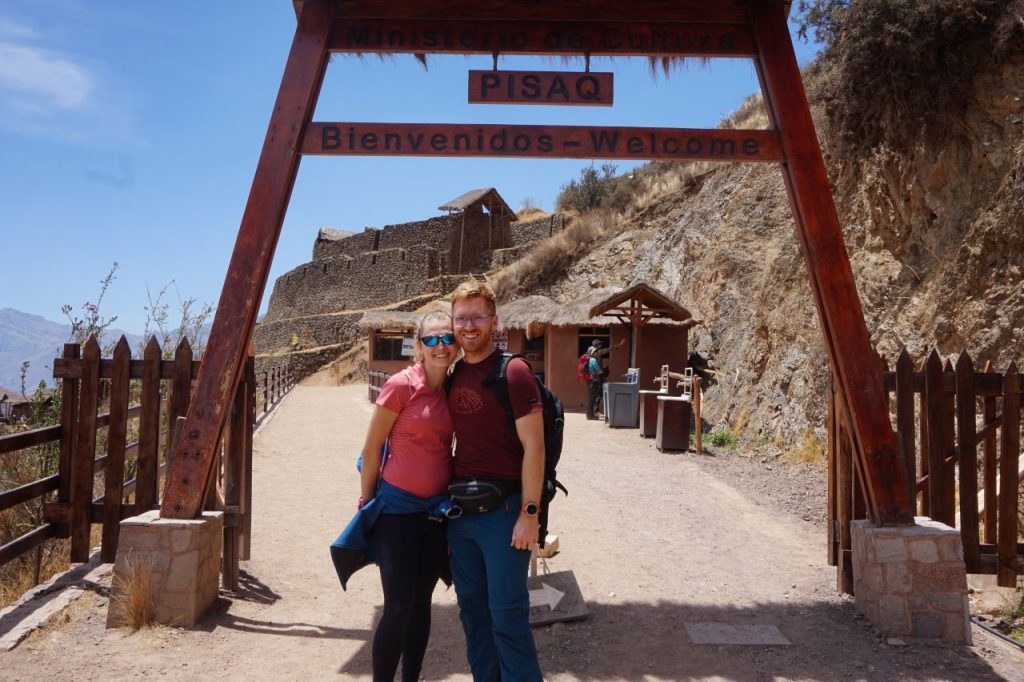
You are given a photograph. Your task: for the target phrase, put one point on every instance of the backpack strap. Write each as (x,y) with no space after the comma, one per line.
(497,380)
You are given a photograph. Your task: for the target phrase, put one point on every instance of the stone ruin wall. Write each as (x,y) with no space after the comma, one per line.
(377,268)
(370,280)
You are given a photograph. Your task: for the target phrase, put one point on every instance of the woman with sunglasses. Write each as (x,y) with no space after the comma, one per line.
(408,540)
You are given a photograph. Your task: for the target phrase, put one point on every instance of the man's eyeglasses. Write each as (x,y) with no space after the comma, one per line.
(462,320)
(430,341)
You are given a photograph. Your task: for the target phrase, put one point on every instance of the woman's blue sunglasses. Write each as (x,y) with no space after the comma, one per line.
(430,341)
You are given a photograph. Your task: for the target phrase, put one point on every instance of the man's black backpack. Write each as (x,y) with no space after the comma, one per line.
(554,425)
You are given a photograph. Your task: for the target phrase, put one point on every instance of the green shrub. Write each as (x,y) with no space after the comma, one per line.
(725,438)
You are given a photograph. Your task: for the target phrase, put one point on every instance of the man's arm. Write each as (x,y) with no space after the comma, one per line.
(530,429)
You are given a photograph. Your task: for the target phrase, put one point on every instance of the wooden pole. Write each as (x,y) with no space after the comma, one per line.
(698,433)
(250,262)
(830,274)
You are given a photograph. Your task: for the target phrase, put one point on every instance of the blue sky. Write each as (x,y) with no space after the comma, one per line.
(130,131)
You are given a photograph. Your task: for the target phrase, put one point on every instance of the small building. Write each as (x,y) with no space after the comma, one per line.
(553,336)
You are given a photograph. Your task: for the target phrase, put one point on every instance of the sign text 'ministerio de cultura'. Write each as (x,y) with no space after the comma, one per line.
(414,139)
(542,38)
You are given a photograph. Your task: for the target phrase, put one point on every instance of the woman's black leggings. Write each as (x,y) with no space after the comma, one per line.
(412,550)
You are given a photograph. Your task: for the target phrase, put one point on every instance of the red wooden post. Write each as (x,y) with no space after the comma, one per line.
(83,466)
(905,419)
(113,473)
(250,262)
(1009,457)
(991,491)
(68,433)
(149,429)
(835,293)
(967,446)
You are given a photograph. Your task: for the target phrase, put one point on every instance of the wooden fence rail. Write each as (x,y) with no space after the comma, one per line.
(959,434)
(271,386)
(144,398)
(376,381)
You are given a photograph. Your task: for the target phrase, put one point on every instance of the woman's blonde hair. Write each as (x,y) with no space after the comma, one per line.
(432,316)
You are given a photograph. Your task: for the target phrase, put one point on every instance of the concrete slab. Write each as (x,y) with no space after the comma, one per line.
(743,635)
(555,597)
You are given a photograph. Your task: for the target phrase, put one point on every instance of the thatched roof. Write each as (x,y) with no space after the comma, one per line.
(401,320)
(487,195)
(530,311)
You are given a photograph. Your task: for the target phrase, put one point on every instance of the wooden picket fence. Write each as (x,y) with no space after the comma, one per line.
(944,413)
(146,398)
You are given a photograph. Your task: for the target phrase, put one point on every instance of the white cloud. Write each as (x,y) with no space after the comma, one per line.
(50,78)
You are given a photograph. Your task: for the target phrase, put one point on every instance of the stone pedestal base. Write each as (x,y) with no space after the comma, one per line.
(911,581)
(172,563)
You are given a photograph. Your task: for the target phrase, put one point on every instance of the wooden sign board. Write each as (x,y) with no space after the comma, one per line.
(555,597)
(577,88)
(532,141)
(535,37)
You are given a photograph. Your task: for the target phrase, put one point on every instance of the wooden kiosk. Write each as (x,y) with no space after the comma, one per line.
(753,29)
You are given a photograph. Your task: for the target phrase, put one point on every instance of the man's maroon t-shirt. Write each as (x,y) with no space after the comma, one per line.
(485,446)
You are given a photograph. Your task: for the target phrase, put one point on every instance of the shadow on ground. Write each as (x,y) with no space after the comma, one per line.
(828,642)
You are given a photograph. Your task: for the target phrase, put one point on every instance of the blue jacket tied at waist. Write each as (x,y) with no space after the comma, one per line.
(355,547)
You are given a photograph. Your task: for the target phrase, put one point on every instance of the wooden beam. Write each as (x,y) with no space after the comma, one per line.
(724,11)
(456,36)
(250,263)
(832,283)
(538,141)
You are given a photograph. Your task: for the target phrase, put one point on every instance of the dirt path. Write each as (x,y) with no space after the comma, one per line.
(655,542)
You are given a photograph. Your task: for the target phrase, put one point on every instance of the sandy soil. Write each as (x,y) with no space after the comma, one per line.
(655,541)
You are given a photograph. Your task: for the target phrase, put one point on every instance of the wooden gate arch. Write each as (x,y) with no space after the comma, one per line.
(754,29)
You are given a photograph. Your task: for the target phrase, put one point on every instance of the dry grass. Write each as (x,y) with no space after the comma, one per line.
(809,451)
(132,594)
(551,257)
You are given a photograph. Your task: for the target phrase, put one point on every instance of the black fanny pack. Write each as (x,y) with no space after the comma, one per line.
(478,496)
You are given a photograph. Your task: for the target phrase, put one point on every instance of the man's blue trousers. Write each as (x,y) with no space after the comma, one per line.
(490,582)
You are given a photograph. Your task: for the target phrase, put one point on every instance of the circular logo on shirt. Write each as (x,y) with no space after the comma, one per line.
(465,401)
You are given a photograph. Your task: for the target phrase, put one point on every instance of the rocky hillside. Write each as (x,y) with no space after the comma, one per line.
(933,219)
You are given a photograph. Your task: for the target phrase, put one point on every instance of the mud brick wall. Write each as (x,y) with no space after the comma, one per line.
(343,283)
(530,231)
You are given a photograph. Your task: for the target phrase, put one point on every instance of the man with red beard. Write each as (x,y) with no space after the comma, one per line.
(490,543)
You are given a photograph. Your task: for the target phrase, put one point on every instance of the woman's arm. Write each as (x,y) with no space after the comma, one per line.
(380,426)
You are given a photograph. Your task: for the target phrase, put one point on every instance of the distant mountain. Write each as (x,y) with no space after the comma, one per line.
(38,340)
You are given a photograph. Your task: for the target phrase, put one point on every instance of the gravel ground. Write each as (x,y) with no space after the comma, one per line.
(656,543)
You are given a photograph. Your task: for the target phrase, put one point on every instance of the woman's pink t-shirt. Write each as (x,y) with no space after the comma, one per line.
(421,439)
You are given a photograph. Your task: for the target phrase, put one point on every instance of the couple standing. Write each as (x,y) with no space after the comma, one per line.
(418,412)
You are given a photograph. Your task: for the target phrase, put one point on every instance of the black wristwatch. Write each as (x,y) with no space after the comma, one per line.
(530,508)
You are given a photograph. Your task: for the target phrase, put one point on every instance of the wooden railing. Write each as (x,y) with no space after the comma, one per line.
(271,386)
(128,444)
(959,435)
(376,381)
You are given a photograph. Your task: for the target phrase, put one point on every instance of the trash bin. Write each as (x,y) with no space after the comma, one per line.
(649,412)
(673,423)
(622,401)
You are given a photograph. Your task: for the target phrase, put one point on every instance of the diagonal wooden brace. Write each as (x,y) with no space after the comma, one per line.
(250,263)
(829,271)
